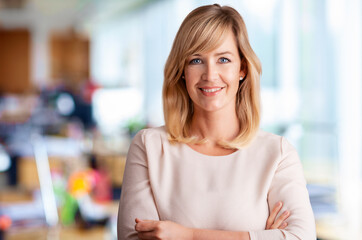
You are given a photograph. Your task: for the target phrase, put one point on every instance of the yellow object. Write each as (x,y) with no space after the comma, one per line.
(81,183)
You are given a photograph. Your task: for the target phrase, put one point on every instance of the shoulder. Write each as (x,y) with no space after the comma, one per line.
(272,142)
(267,140)
(153,132)
(150,135)
(146,140)
(267,136)
(161,130)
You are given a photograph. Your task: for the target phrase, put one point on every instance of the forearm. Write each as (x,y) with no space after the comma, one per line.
(206,234)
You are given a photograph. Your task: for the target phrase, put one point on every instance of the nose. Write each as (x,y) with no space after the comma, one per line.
(210,71)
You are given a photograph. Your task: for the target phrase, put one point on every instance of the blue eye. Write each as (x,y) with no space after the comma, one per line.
(224,60)
(195,61)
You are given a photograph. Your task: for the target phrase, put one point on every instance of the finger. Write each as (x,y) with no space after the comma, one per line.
(150,235)
(146,226)
(273,214)
(284,225)
(146,235)
(280,220)
(137,220)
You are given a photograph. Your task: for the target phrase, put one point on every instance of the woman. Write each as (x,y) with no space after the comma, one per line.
(210,173)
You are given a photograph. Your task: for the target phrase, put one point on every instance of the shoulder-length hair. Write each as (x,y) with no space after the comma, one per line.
(202,31)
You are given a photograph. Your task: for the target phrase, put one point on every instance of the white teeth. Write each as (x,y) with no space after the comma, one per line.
(211,89)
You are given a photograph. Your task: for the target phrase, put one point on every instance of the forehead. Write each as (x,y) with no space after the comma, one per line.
(227,43)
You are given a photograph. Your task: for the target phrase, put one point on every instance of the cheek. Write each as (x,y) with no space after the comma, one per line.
(193,72)
(232,74)
(189,76)
(189,87)
(233,80)
(190,80)
(233,85)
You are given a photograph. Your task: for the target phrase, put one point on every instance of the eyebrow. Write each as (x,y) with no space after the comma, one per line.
(216,54)
(223,53)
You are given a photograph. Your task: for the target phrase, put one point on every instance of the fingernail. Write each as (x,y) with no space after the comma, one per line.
(286,212)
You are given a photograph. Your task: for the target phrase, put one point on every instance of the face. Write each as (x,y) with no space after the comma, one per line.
(212,78)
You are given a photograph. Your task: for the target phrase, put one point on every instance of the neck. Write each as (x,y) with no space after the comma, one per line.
(215,126)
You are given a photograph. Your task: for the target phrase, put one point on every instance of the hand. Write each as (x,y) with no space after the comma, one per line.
(272,222)
(161,230)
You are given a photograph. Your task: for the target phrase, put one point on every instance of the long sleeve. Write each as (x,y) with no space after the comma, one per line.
(136,198)
(289,186)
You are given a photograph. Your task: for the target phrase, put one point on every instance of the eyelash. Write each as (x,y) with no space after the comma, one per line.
(228,60)
(193,61)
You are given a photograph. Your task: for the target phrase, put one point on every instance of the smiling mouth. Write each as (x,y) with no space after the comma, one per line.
(211,90)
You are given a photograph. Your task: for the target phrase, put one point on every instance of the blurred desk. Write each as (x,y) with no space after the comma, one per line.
(15,196)
(61,233)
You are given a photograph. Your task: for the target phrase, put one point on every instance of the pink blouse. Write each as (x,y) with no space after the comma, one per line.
(164,181)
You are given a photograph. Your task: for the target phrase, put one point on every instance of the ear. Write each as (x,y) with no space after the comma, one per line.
(243,68)
(242,74)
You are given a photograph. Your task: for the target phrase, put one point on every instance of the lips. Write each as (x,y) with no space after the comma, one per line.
(211,91)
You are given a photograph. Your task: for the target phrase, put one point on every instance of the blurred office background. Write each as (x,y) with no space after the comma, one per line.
(78,78)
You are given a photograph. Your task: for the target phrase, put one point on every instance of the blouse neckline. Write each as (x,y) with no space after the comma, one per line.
(190,149)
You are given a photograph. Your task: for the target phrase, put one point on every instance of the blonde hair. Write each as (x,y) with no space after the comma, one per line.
(202,31)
